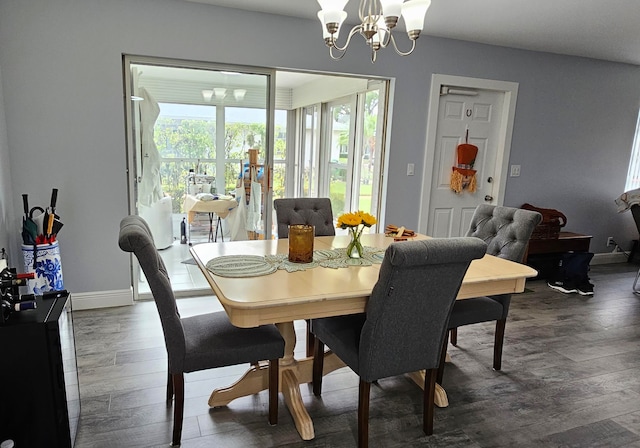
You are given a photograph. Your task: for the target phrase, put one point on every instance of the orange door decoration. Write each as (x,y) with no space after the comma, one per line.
(463,176)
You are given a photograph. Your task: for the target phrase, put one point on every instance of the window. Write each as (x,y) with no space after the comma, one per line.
(633,175)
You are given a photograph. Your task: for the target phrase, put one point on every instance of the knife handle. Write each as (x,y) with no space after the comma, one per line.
(54,198)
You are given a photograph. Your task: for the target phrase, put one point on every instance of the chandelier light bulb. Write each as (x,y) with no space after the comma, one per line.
(333,10)
(414,12)
(391,8)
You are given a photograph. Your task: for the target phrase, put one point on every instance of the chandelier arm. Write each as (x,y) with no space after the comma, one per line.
(353,31)
(387,39)
(395,46)
(340,56)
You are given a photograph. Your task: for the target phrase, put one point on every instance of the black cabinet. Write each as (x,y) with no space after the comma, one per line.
(39,392)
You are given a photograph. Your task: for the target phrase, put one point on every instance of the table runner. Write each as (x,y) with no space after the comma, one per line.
(254,265)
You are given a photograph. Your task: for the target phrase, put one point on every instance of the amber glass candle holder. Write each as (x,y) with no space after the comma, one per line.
(301,243)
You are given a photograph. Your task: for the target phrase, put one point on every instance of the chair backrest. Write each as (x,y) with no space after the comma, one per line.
(410,305)
(136,237)
(506,230)
(311,211)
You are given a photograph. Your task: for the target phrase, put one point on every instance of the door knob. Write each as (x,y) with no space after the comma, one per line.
(488,198)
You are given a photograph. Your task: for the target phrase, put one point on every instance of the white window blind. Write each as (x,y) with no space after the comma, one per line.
(633,175)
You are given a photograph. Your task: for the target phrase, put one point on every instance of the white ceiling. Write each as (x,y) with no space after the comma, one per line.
(601,29)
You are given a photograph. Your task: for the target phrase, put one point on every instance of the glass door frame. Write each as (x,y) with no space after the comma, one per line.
(133,162)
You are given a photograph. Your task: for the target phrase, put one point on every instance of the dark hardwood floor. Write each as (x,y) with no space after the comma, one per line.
(570,378)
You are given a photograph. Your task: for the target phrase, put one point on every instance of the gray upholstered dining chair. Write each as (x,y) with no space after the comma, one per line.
(311,211)
(316,212)
(198,342)
(507,231)
(402,329)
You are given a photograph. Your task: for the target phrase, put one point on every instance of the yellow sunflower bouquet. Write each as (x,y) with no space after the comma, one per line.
(355,222)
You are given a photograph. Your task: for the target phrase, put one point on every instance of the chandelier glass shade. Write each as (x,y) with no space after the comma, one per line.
(378,18)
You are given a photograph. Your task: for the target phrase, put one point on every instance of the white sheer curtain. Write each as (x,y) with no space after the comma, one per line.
(150,189)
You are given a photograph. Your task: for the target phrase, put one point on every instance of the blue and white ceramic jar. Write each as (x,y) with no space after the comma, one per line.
(47,267)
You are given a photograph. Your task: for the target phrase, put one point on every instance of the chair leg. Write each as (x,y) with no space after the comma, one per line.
(318,366)
(178,408)
(363,414)
(635,289)
(443,355)
(273,391)
(310,339)
(454,337)
(169,389)
(497,345)
(428,397)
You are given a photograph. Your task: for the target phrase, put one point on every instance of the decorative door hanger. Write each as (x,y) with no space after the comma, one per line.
(463,176)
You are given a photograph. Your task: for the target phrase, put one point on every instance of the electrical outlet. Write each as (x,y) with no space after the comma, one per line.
(610,241)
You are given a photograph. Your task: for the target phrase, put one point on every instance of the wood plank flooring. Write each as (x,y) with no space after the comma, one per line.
(570,378)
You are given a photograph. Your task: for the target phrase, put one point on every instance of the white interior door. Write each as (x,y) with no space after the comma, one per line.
(487,109)
(479,112)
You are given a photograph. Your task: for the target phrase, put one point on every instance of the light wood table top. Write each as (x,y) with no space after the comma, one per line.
(323,292)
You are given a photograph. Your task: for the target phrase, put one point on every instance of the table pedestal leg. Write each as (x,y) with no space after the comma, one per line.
(292,373)
(290,388)
(440,398)
(253,381)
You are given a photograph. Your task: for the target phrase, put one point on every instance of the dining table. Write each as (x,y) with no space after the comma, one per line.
(256,285)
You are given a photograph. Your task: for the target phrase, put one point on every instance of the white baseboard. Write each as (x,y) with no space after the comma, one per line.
(607,258)
(101,299)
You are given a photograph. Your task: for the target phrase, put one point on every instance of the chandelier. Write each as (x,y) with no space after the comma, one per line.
(378,18)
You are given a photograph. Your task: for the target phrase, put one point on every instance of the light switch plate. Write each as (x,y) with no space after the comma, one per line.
(410,169)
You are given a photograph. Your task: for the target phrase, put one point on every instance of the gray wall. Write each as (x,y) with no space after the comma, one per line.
(6,202)
(63,97)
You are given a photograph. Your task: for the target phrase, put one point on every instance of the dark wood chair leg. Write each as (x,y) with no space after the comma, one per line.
(454,337)
(178,408)
(428,397)
(363,413)
(169,388)
(443,355)
(318,366)
(274,367)
(497,345)
(310,340)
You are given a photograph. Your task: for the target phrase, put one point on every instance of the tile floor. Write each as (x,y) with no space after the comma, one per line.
(569,379)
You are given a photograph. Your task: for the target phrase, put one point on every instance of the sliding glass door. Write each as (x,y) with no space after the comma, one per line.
(352,146)
(192,128)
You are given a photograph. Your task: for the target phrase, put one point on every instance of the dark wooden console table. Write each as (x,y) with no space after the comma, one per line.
(566,242)
(40,401)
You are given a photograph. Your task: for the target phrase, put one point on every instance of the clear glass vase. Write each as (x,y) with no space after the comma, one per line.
(354,248)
